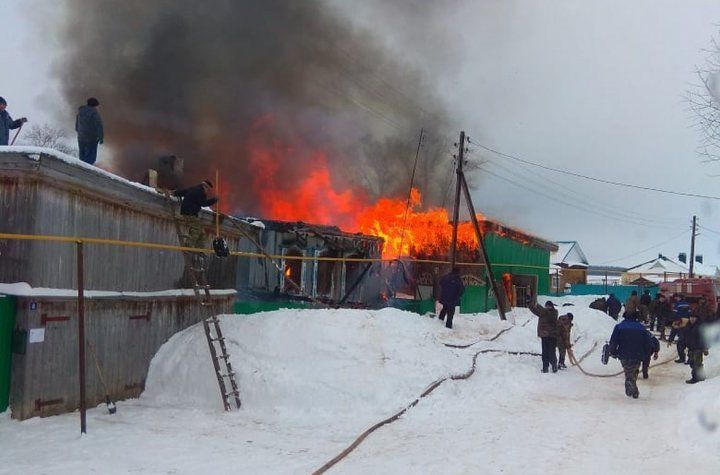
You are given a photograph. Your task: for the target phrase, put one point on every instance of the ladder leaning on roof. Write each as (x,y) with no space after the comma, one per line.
(195,265)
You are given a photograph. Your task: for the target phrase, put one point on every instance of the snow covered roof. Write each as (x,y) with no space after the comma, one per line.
(23,289)
(659,265)
(569,254)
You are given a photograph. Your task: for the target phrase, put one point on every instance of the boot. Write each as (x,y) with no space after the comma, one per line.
(554,368)
(680,360)
(629,388)
(692,381)
(645,375)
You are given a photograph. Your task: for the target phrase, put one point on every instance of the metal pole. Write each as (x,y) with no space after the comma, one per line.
(606,282)
(481,244)
(557,282)
(456,208)
(692,247)
(81,336)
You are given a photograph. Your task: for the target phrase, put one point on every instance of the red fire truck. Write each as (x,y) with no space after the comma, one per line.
(692,290)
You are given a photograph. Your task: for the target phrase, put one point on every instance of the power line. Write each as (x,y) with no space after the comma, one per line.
(645,250)
(595,208)
(599,180)
(573,205)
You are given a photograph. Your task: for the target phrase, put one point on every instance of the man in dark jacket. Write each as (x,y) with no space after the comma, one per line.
(547,332)
(664,315)
(681,313)
(703,311)
(653,354)
(193,199)
(653,312)
(451,290)
(631,343)
(613,306)
(697,348)
(564,327)
(89,128)
(631,304)
(645,301)
(7,124)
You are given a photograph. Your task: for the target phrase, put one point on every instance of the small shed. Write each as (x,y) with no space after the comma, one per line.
(570,265)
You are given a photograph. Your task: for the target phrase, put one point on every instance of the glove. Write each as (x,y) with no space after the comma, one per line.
(23,119)
(706,352)
(655,356)
(101,141)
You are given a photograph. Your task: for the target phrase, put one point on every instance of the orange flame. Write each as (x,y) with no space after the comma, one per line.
(295,183)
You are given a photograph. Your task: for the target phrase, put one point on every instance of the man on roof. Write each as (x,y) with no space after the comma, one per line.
(7,124)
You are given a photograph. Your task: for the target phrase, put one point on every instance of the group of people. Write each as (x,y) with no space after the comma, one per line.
(88,125)
(554,333)
(633,343)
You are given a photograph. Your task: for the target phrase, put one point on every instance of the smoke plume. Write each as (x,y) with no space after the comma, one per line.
(267,91)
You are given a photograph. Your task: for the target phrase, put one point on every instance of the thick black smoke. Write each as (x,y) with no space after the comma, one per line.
(206,79)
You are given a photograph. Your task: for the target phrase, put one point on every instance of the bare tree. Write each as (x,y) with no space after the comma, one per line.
(704,100)
(47,136)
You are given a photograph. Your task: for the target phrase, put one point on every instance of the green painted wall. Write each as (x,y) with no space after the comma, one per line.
(524,259)
(7,321)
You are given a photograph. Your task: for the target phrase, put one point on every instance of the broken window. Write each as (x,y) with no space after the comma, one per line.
(292,272)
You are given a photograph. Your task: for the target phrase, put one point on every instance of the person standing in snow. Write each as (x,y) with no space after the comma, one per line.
(645,301)
(631,343)
(89,128)
(613,306)
(681,315)
(7,124)
(451,290)
(703,311)
(564,327)
(547,332)
(653,313)
(631,304)
(193,200)
(697,349)
(664,315)
(653,354)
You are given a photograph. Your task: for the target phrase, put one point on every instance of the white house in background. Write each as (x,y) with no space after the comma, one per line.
(568,265)
(663,269)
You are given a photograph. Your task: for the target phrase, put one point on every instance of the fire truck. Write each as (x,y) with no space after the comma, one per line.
(692,289)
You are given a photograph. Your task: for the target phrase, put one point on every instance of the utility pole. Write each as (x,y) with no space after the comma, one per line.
(462,186)
(456,208)
(692,246)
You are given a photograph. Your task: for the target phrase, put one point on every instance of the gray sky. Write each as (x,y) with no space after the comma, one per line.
(593,87)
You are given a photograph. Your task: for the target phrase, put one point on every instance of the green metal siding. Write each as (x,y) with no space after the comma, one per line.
(508,256)
(7,321)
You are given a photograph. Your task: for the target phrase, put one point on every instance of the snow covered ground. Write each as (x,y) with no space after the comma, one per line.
(313,380)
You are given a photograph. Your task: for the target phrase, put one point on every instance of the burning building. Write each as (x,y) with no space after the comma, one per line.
(137,297)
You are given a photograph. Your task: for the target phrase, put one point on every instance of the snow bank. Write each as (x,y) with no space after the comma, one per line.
(296,362)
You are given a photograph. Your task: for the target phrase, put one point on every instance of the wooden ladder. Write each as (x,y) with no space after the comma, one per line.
(196,269)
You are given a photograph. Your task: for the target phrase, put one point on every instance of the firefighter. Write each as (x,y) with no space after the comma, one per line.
(193,199)
(547,332)
(653,309)
(631,343)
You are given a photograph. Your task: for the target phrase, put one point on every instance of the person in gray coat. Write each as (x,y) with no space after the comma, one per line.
(89,128)
(547,331)
(7,124)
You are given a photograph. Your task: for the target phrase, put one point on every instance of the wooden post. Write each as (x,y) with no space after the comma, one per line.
(456,208)
(606,281)
(557,282)
(481,244)
(81,336)
(217,205)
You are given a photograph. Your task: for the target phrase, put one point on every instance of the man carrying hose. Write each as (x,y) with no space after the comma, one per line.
(631,343)
(7,124)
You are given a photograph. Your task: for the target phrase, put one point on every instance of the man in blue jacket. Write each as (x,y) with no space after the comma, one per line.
(89,128)
(7,124)
(631,343)
(451,289)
